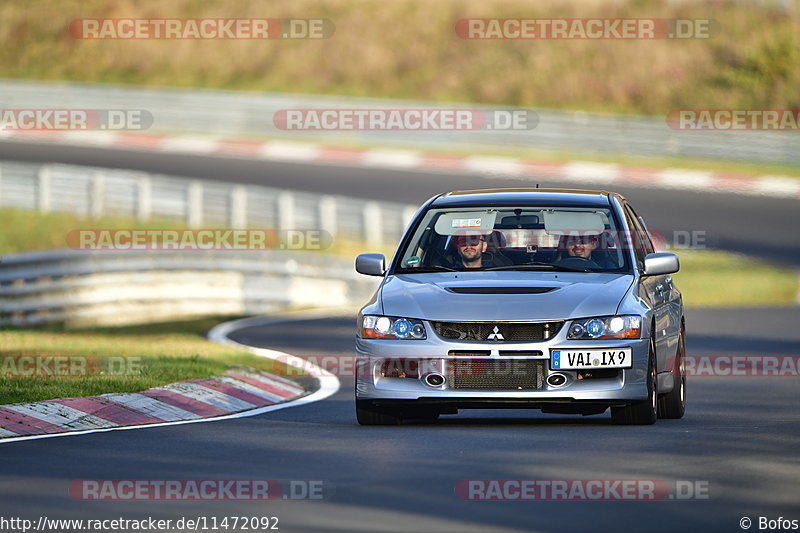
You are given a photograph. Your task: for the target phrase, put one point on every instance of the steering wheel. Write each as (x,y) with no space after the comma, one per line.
(578,262)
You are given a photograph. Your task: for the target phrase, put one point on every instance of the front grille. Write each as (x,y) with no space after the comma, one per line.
(506,331)
(496,374)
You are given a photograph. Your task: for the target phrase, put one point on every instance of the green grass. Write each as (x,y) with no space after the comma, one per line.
(720,279)
(166,353)
(25,230)
(409,49)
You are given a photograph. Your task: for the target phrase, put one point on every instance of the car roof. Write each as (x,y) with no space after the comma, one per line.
(523,196)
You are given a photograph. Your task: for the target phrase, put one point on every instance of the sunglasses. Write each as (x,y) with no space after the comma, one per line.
(468,241)
(572,241)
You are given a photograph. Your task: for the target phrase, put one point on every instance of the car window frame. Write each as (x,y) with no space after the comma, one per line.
(648,239)
(637,234)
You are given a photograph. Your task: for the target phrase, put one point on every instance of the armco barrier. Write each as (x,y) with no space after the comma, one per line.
(94,192)
(124,287)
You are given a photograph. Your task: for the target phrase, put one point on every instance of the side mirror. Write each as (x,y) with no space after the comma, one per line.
(661,263)
(371,264)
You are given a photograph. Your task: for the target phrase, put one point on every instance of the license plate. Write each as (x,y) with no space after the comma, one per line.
(580,359)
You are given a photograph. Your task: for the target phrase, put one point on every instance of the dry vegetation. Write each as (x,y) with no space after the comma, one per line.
(409,49)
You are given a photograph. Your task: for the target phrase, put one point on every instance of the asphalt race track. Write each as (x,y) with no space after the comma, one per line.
(739,439)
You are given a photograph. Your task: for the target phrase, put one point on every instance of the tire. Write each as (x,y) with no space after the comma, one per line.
(368,414)
(642,413)
(673,404)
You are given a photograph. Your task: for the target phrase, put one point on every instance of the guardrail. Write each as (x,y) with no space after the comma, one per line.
(81,287)
(119,287)
(94,192)
(251,114)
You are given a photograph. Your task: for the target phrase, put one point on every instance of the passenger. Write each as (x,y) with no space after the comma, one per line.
(579,251)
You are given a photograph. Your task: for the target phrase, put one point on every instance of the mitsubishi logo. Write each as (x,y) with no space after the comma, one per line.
(496,335)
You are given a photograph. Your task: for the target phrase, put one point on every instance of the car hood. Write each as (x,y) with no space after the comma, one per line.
(507,295)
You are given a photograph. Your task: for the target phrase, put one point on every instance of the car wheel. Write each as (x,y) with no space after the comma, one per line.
(645,412)
(673,404)
(368,414)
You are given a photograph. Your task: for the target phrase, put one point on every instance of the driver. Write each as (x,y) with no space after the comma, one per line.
(579,250)
(470,251)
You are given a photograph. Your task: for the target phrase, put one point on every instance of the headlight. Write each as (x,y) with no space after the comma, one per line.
(386,327)
(606,327)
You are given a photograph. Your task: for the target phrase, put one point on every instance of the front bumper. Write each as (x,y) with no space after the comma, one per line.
(617,387)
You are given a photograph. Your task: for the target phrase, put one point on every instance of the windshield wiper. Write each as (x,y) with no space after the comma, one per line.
(537,264)
(429,268)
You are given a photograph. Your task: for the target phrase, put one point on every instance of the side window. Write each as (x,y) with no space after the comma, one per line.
(637,238)
(648,244)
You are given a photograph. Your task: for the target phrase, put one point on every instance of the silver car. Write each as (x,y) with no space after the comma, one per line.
(543,299)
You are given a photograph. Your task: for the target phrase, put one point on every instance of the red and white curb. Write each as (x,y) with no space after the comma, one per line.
(598,174)
(236,394)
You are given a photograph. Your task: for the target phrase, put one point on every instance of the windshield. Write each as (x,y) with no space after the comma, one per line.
(573,239)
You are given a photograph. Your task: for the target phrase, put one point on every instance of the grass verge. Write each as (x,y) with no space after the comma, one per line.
(710,278)
(160,354)
(25,230)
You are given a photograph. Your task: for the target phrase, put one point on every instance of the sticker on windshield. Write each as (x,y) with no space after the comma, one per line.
(466,223)
(413,260)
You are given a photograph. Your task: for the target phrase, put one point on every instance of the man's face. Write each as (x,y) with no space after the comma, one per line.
(470,247)
(581,246)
